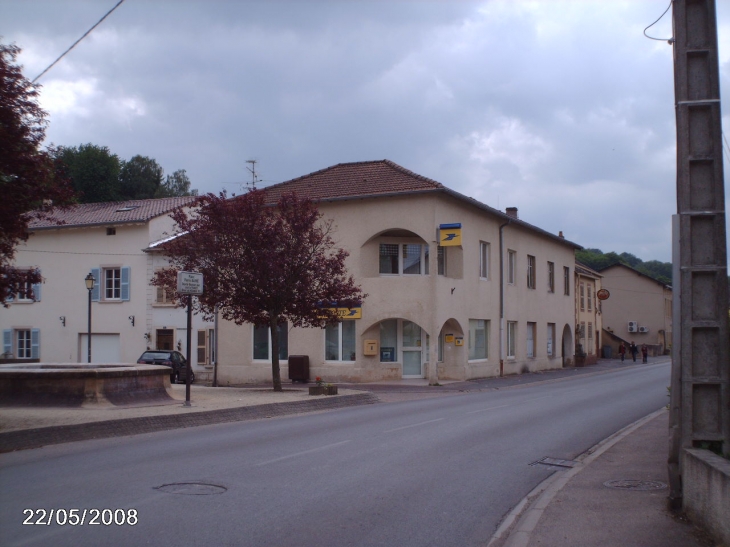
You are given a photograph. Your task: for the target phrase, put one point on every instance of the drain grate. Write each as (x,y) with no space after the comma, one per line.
(192,488)
(629,484)
(555,463)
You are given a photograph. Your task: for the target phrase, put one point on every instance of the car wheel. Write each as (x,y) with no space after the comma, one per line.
(173,378)
(192,377)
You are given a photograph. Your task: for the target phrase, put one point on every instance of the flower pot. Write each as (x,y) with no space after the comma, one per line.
(330,390)
(317,390)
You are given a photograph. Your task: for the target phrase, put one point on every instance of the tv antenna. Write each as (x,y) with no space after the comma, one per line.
(252,170)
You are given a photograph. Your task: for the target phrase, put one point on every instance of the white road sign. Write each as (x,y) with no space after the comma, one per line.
(189,283)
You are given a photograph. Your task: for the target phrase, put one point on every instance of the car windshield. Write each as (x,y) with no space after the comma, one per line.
(155,355)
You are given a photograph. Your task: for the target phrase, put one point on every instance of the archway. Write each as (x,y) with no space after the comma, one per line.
(568,346)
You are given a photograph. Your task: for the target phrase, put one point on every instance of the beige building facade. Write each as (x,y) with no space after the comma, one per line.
(456,289)
(639,309)
(588,312)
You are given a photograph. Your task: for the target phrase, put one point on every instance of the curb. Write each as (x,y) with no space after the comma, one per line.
(43,436)
(518,525)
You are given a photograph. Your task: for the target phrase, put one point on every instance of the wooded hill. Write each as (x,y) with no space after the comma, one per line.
(597,259)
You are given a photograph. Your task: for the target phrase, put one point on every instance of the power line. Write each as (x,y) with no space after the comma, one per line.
(670,40)
(77,41)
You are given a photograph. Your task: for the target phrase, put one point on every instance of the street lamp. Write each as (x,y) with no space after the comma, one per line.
(89,280)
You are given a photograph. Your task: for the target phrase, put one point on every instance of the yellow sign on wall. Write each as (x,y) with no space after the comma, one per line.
(348,313)
(450,235)
(449,338)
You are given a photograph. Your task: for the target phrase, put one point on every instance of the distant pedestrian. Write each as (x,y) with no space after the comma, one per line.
(644,353)
(622,351)
(634,350)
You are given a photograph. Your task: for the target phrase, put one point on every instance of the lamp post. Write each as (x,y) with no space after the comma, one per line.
(89,280)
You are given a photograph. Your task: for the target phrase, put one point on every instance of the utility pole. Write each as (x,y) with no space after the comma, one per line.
(252,170)
(700,391)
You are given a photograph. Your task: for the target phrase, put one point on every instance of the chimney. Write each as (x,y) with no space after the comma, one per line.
(560,234)
(512,212)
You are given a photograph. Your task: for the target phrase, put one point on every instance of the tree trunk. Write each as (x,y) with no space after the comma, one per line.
(275,370)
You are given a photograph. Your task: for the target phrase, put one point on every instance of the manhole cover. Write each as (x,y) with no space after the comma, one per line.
(192,488)
(628,484)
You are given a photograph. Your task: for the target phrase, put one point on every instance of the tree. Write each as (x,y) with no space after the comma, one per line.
(93,170)
(261,264)
(140,178)
(176,185)
(29,185)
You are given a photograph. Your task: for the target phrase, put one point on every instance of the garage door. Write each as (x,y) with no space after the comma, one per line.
(104,348)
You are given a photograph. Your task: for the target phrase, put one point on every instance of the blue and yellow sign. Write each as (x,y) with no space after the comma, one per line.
(348,313)
(450,235)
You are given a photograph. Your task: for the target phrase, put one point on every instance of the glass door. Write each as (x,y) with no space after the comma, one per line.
(412,350)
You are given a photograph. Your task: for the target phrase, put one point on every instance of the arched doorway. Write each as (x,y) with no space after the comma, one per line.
(568,346)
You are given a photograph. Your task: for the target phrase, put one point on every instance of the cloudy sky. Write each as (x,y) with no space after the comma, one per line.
(560,108)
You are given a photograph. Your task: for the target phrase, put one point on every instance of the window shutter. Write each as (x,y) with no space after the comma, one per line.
(96,272)
(7,342)
(126,274)
(202,348)
(35,343)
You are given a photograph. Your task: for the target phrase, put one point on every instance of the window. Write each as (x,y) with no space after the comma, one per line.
(590,338)
(478,339)
(582,330)
(403,259)
(262,342)
(24,292)
(566,280)
(511,335)
(511,267)
(389,341)
(111,283)
(582,297)
(530,272)
(202,348)
(590,298)
(22,343)
(551,277)
(551,339)
(441,260)
(340,341)
(531,339)
(483,260)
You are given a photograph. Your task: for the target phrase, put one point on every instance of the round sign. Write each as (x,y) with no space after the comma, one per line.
(603,294)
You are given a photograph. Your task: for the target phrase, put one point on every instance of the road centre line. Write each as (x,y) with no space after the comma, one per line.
(485,409)
(313,450)
(412,425)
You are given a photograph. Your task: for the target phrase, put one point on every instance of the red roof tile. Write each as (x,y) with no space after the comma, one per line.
(117,212)
(367,178)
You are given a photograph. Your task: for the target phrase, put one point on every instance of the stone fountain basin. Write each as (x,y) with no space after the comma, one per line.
(80,384)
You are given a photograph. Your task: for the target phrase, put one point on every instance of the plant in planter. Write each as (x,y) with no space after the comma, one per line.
(321,388)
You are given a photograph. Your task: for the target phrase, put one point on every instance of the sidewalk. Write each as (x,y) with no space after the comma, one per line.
(576,508)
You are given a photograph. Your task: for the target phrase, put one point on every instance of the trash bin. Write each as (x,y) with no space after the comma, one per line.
(607,352)
(299,368)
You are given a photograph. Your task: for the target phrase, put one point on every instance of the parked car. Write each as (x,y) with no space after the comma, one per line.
(172,359)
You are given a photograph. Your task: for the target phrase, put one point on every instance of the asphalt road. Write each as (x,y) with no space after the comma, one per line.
(433,472)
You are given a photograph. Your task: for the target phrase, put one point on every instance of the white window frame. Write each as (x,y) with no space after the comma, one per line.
(474,326)
(531,340)
(589,297)
(582,296)
(22,343)
(511,267)
(115,281)
(401,245)
(551,339)
(531,274)
(340,341)
(511,339)
(484,260)
(284,331)
(551,276)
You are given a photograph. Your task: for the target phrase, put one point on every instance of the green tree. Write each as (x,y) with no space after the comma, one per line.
(93,171)
(176,185)
(140,178)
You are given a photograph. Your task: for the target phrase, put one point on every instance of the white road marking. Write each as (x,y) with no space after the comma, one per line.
(485,409)
(297,454)
(412,425)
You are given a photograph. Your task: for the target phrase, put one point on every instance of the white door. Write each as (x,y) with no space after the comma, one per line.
(105,348)
(412,350)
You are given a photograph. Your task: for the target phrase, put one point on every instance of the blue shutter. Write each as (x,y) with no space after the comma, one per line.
(8,342)
(37,290)
(35,343)
(126,278)
(96,272)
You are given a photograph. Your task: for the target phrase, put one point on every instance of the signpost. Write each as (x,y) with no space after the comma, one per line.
(190,283)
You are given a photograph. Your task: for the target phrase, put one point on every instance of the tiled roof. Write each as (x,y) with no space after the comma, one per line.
(359,179)
(582,269)
(115,212)
(637,272)
(381,178)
